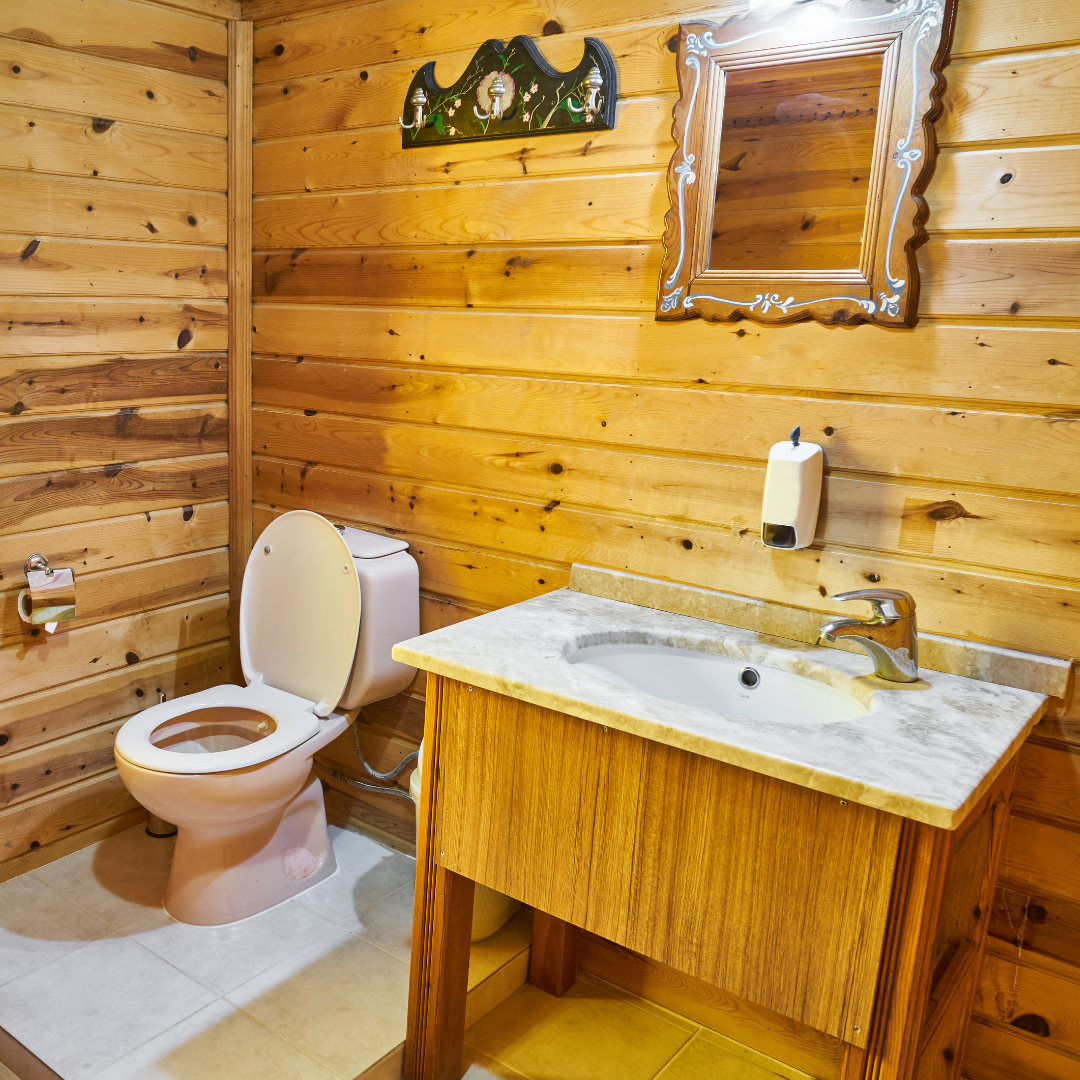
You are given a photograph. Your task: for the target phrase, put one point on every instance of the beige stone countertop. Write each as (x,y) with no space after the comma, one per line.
(925,750)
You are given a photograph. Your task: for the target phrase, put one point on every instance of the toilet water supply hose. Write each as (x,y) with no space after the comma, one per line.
(393,774)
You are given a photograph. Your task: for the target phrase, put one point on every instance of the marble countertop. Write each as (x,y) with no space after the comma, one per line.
(925,750)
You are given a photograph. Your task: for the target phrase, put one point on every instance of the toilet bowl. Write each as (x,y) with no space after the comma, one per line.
(231,766)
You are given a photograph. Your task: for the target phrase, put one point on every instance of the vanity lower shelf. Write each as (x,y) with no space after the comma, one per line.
(858,926)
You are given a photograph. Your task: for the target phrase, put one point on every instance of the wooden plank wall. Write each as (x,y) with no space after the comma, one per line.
(457,345)
(113,369)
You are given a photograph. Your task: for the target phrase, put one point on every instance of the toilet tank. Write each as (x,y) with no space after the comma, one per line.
(389,613)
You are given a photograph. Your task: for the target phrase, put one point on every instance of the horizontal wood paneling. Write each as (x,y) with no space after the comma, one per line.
(998,25)
(113,375)
(367,158)
(91,650)
(49,78)
(43,384)
(112,594)
(1027,279)
(897,440)
(76,442)
(104,210)
(46,266)
(100,699)
(1005,190)
(1048,784)
(54,816)
(31,139)
(1000,1052)
(980,278)
(361,33)
(43,326)
(91,547)
(627,206)
(484,580)
(1016,96)
(967,193)
(218,10)
(968,363)
(950,601)
(1036,925)
(963,527)
(1043,855)
(369,33)
(49,500)
(503,398)
(130,32)
(1008,989)
(34,772)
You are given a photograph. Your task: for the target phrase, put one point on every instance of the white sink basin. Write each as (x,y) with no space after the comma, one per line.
(721,684)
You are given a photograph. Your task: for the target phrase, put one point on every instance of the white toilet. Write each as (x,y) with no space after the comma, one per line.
(320,611)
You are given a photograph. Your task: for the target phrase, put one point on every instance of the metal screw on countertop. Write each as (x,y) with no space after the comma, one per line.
(843,802)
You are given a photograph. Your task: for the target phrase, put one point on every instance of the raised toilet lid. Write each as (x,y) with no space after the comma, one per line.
(300,610)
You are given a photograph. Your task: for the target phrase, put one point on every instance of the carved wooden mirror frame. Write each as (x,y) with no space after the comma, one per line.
(912,37)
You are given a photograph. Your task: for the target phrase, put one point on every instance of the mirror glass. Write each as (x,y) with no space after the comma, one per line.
(795,158)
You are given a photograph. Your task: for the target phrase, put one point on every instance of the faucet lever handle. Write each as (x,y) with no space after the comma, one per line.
(887,603)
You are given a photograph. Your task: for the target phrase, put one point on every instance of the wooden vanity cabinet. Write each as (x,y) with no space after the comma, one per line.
(859,928)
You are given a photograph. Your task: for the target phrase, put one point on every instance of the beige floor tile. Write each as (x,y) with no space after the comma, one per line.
(588,1034)
(224,957)
(648,1006)
(217,1043)
(37,925)
(92,1006)
(491,954)
(119,880)
(478,1066)
(367,872)
(709,1056)
(388,924)
(342,1001)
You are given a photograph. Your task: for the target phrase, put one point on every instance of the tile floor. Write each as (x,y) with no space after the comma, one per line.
(96,980)
(599,1032)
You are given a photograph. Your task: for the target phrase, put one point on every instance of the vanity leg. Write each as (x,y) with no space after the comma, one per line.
(553,957)
(442,928)
(436,1032)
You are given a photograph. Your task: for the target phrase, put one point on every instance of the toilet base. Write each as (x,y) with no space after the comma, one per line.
(220,877)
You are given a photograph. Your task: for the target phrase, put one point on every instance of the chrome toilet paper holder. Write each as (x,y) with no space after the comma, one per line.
(50,595)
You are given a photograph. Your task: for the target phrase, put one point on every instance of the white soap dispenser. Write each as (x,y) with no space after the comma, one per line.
(789,510)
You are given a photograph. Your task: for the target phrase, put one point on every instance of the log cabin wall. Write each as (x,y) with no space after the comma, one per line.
(457,345)
(113,368)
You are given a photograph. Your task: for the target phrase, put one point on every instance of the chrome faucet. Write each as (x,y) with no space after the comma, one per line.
(889,635)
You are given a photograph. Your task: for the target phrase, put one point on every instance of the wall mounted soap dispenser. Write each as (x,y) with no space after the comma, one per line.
(789,510)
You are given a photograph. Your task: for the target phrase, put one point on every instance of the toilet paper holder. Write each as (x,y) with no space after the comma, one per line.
(50,595)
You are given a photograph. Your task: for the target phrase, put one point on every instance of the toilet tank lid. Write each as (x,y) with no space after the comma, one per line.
(366,545)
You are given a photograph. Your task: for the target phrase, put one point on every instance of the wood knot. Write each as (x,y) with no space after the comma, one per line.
(101,125)
(551,27)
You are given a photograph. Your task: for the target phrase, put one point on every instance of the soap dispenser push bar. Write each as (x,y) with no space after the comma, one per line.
(890,635)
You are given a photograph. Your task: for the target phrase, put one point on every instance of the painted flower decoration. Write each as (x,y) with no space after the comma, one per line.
(526,117)
(533,88)
(484,98)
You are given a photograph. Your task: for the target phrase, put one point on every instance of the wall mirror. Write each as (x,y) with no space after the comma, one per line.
(805,140)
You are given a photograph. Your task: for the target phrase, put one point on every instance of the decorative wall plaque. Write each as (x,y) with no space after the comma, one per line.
(805,141)
(511,91)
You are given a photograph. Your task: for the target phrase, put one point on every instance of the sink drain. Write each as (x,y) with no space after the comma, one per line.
(749,678)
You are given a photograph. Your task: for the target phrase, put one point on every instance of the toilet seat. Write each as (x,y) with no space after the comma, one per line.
(295,724)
